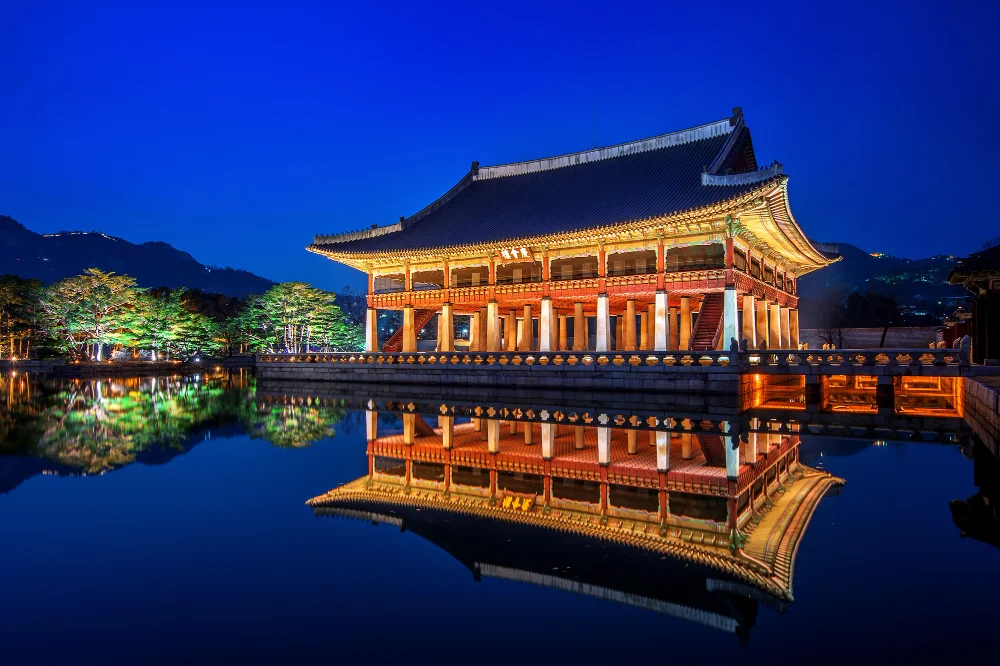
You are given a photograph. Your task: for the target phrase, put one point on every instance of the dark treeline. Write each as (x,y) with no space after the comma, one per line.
(99,316)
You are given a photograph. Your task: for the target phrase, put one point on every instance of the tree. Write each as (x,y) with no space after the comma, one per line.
(296,317)
(874,310)
(88,311)
(20,305)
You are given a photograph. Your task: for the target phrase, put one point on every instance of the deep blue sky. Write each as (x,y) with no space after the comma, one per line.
(236,133)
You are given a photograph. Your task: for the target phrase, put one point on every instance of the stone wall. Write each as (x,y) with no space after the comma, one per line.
(711,380)
(981,408)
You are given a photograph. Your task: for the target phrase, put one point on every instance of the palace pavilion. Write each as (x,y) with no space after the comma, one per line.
(676,242)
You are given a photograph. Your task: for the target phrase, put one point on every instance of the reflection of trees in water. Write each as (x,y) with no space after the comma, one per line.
(96,425)
(291,424)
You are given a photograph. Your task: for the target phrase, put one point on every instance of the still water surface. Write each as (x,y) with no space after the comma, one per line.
(164,521)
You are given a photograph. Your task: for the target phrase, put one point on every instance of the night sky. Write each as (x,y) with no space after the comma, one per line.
(236,134)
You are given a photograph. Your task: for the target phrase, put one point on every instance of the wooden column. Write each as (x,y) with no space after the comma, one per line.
(529,434)
(685,325)
(619,333)
(630,325)
(510,331)
(562,333)
(643,331)
(578,437)
(633,441)
(686,446)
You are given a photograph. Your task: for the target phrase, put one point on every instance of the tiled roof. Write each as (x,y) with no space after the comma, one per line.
(635,181)
(985,262)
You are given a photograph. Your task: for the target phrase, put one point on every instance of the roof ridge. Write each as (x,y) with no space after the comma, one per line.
(677,138)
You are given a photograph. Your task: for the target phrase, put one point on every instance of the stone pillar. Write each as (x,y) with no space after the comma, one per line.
(409,428)
(763,337)
(603,323)
(579,326)
(510,331)
(786,340)
(447,425)
(630,325)
(545,326)
(730,326)
(474,332)
(661,322)
(371,330)
(749,321)
(603,445)
(492,327)
(774,332)
(446,323)
(493,435)
(578,437)
(662,451)
(793,328)
(674,330)
(732,452)
(484,318)
(685,325)
(527,334)
(548,441)
(409,335)
(562,333)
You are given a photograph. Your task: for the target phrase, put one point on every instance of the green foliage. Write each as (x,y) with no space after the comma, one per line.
(295,317)
(90,315)
(87,311)
(20,307)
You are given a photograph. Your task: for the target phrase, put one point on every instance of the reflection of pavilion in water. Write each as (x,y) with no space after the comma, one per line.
(734,513)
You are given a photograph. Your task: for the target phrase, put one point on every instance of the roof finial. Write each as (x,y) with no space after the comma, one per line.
(475,168)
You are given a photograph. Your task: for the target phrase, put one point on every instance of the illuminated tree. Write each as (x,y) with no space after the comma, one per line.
(88,311)
(20,306)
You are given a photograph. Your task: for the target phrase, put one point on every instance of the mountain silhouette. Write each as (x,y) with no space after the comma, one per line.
(52,257)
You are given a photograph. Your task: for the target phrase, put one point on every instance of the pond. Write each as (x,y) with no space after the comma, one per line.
(165,520)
